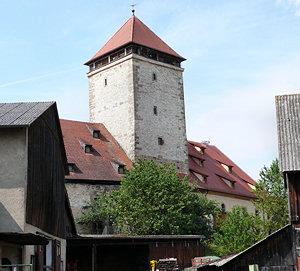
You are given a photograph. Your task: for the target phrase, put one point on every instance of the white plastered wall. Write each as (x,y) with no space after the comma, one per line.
(230,202)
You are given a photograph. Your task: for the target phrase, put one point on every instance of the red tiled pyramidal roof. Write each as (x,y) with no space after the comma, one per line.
(217,177)
(101,164)
(135,31)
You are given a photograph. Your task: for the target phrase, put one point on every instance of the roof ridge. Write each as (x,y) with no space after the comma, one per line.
(132,30)
(111,37)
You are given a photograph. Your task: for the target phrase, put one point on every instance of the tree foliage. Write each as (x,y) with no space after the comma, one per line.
(272,198)
(154,200)
(237,232)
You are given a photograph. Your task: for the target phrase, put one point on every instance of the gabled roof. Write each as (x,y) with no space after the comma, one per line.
(216,174)
(99,165)
(134,31)
(21,114)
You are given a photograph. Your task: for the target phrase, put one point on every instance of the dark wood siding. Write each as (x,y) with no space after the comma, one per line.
(274,253)
(45,204)
(183,251)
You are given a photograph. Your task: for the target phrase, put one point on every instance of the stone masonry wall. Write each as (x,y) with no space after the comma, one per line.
(80,195)
(160,85)
(122,97)
(112,101)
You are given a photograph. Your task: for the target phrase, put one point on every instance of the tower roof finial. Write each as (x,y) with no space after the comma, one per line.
(133,10)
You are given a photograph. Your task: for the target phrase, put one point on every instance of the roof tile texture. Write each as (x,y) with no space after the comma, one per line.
(135,31)
(97,165)
(214,171)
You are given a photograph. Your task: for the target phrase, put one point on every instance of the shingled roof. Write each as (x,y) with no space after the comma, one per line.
(101,164)
(21,114)
(136,32)
(221,174)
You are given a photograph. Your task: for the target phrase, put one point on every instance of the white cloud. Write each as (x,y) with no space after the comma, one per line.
(291,4)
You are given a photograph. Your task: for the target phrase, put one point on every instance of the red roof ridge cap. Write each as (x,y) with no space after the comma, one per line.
(132,29)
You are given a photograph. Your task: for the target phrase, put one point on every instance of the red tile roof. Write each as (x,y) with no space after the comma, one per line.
(134,31)
(214,171)
(96,166)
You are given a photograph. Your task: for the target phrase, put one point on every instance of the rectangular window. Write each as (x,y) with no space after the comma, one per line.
(160,141)
(105,82)
(121,169)
(96,134)
(155,110)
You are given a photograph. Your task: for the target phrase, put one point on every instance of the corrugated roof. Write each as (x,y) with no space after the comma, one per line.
(288,128)
(135,31)
(21,114)
(212,168)
(99,164)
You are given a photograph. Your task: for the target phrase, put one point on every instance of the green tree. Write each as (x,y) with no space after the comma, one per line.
(272,198)
(237,232)
(154,200)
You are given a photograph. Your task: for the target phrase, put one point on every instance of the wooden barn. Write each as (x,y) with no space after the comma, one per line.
(280,251)
(35,216)
(131,253)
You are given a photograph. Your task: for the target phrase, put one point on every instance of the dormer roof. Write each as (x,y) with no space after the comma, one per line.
(136,32)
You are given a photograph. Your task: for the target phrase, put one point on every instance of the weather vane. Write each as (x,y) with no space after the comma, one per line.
(132,6)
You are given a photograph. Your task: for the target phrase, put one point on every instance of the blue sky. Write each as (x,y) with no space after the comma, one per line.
(240,54)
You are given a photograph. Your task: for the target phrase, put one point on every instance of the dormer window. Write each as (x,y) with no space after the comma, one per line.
(121,169)
(228,182)
(87,147)
(198,161)
(96,134)
(201,177)
(71,167)
(227,168)
(201,150)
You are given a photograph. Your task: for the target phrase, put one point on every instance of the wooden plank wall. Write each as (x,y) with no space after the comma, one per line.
(45,204)
(274,253)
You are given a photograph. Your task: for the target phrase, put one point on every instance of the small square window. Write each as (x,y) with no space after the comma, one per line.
(105,82)
(155,110)
(88,148)
(71,167)
(160,141)
(121,169)
(154,76)
(96,134)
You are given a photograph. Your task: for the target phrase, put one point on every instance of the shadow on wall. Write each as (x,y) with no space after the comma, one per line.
(7,222)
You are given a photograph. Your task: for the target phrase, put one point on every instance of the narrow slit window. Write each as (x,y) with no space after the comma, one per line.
(155,110)
(154,76)
(105,82)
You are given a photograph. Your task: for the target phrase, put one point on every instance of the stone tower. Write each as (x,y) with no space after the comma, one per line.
(136,91)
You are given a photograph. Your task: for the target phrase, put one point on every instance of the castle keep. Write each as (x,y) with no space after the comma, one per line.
(136,91)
